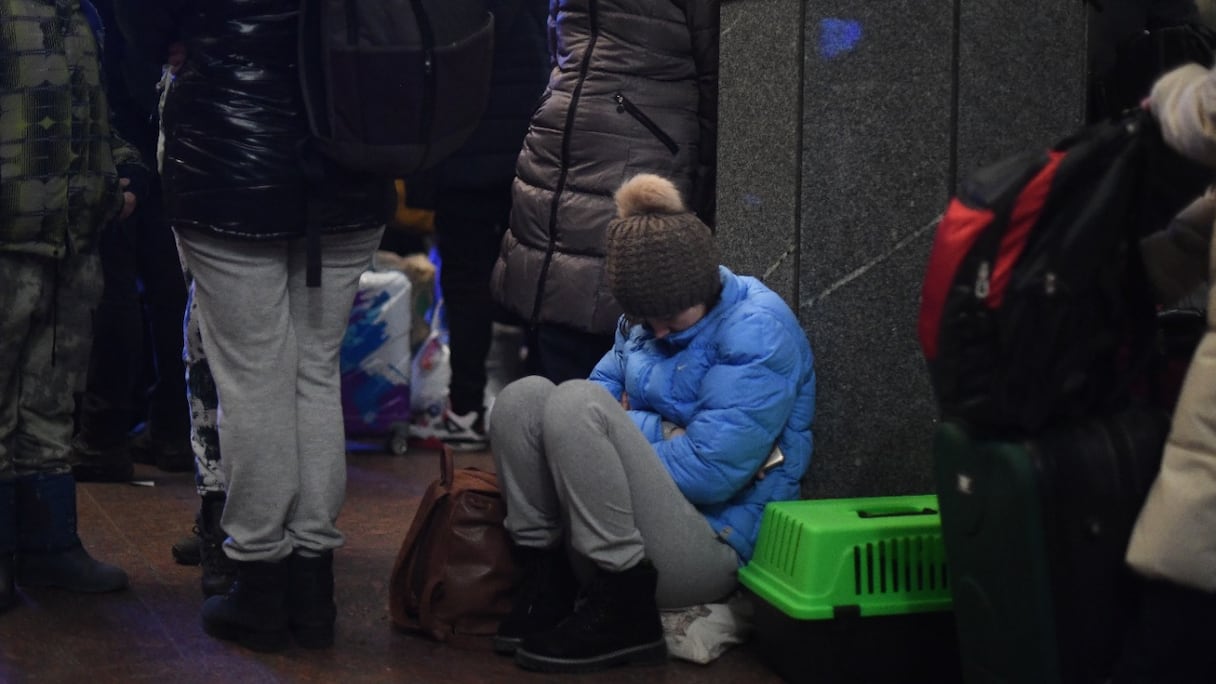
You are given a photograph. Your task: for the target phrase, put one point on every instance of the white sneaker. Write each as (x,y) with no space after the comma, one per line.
(464,432)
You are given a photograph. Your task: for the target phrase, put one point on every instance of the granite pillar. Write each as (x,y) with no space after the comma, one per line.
(843,128)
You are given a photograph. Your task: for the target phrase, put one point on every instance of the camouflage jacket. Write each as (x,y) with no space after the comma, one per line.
(59,158)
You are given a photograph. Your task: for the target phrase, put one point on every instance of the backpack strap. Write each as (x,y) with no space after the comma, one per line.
(314,175)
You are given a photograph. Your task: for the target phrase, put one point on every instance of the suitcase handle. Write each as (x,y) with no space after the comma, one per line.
(891,513)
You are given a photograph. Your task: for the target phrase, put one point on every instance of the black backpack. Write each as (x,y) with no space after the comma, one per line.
(394,86)
(1035,307)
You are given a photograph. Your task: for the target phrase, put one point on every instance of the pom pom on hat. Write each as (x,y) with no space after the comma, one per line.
(648,194)
(661,259)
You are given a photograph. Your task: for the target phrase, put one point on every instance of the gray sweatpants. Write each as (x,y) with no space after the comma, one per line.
(569,459)
(272,345)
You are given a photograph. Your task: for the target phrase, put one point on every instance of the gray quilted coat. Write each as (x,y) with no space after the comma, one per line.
(633,90)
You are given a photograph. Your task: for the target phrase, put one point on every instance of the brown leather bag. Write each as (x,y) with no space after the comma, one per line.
(454,577)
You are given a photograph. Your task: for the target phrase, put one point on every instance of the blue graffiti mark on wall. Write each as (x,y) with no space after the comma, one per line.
(838,36)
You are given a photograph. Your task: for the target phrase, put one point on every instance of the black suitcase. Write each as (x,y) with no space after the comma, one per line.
(1035,534)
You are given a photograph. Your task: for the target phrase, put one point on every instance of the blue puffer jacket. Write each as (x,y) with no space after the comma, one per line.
(738,381)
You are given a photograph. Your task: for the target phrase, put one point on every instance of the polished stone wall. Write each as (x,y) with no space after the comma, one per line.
(843,127)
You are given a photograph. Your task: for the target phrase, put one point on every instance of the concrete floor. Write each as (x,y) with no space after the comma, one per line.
(152,633)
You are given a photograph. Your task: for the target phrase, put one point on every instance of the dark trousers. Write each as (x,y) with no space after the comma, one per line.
(139,318)
(469,224)
(561,353)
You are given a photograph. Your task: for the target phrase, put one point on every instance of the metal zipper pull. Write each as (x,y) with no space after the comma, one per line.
(982,286)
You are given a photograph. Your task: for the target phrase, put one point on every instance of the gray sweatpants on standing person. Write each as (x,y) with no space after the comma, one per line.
(569,457)
(272,346)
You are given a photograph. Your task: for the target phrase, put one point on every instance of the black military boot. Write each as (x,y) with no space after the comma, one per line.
(189,549)
(254,612)
(219,571)
(49,554)
(310,595)
(617,623)
(8,544)
(544,598)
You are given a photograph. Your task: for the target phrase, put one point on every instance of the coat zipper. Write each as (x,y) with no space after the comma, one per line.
(559,188)
(623,104)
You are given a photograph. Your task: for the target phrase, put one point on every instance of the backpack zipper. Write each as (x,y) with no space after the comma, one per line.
(982,284)
(624,105)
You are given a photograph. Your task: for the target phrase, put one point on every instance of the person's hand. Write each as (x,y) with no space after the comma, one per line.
(177,56)
(625,400)
(128,200)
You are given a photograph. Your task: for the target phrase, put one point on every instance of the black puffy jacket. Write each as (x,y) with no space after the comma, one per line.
(234,123)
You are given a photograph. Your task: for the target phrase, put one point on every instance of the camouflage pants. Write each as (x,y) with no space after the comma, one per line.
(204,403)
(46,309)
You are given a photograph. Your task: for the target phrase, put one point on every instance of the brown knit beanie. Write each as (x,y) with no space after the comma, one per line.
(661,258)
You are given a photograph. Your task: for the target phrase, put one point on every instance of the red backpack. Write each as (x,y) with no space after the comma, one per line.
(1035,307)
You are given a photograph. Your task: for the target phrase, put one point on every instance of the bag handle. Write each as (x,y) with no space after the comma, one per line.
(447,467)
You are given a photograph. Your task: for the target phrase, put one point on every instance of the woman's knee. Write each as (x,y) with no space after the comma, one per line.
(518,400)
(572,399)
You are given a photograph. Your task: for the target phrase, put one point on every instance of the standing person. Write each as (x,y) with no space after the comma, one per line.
(472,205)
(143,288)
(634,90)
(1132,43)
(239,200)
(657,470)
(64,173)
(1173,543)
(205,545)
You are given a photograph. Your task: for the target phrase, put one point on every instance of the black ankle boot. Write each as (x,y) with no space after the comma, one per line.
(8,545)
(618,623)
(219,571)
(254,612)
(310,594)
(545,597)
(49,553)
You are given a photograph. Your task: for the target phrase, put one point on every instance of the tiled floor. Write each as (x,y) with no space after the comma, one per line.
(152,632)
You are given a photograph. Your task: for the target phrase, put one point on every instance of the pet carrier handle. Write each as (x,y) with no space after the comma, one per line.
(892,513)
